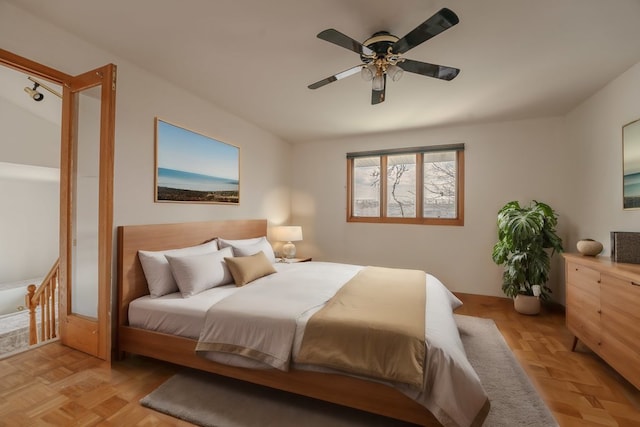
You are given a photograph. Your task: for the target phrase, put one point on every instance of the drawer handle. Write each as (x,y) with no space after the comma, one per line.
(635,283)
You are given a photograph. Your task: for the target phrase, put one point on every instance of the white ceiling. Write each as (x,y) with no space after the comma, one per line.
(255,58)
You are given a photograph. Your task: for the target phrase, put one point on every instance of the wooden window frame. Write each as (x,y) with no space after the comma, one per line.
(419,152)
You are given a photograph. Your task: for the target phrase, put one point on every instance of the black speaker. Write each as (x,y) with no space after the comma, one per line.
(625,247)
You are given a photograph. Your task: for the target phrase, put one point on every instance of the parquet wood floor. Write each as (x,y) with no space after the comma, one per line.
(55,386)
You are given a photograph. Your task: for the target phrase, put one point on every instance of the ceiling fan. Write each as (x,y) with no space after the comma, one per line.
(381,54)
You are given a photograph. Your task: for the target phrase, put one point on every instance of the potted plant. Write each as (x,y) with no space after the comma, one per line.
(525,236)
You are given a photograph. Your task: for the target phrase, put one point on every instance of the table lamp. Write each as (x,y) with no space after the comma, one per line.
(288,233)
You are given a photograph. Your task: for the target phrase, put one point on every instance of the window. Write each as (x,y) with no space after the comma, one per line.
(422,185)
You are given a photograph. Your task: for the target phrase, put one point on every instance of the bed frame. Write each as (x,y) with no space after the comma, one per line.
(344,390)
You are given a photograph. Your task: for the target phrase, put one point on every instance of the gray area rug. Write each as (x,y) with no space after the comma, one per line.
(210,400)
(514,400)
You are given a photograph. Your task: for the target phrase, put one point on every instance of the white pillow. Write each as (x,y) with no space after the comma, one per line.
(246,247)
(224,243)
(157,271)
(197,273)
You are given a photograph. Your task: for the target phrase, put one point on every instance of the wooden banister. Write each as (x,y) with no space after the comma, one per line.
(44,296)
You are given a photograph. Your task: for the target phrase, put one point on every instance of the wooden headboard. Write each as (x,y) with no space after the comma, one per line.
(155,237)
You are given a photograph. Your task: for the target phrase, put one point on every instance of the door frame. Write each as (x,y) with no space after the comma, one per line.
(90,335)
(97,331)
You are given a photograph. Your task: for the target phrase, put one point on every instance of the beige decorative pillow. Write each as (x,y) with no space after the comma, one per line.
(249,268)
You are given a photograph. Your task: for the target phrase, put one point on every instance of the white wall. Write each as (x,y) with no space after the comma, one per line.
(595,134)
(28,228)
(30,208)
(26,138)
(521,160)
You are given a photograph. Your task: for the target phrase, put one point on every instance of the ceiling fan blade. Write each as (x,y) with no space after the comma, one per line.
(440,21)
(336,77)
(336,37)
(430,70)
(377,96)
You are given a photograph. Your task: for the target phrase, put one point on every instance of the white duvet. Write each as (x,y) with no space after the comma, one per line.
(453,392)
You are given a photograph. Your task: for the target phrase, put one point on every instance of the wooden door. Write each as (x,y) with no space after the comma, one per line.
(89,332)
(86,211)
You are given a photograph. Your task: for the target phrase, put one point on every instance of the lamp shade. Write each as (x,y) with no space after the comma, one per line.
(287,233)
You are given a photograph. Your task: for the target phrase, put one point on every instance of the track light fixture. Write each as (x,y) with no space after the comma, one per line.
(39,96)
(33,93)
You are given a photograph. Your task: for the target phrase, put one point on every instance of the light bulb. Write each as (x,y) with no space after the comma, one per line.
(367,72)
(378,82)
(395,72)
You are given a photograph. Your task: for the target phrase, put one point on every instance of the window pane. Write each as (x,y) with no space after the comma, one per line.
(440,185)
(366,187)
(401,186)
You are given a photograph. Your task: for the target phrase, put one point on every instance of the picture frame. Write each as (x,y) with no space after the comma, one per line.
(191,167)
(631,165)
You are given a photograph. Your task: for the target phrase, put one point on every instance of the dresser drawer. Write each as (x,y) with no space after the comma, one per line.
(583,315)
(620,300)
(584,278)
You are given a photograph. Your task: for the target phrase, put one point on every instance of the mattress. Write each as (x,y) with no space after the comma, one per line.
(172,314)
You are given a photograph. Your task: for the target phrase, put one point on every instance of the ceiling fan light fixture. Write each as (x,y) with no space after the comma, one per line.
(378,82)
(395,72)
(382,52)
(368,72)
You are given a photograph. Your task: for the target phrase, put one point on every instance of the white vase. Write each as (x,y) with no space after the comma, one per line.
(589,247)
(527,304)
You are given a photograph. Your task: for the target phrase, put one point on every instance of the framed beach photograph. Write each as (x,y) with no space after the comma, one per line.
(194,168)
(631,165)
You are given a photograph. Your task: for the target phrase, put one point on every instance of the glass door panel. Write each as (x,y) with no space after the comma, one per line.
(85,203)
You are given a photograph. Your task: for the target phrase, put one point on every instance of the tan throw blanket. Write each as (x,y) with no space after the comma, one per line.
(373,326)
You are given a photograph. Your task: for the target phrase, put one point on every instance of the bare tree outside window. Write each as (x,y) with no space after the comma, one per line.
(401,186)
(440,178)
(366,187)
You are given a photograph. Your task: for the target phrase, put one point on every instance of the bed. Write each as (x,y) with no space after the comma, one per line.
(353,391)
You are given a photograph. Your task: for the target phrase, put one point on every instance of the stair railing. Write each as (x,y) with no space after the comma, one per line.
(44,296)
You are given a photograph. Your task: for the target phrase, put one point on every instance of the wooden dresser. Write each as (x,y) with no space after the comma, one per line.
(603,310)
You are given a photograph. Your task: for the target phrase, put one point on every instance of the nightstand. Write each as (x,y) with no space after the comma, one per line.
(292,260)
